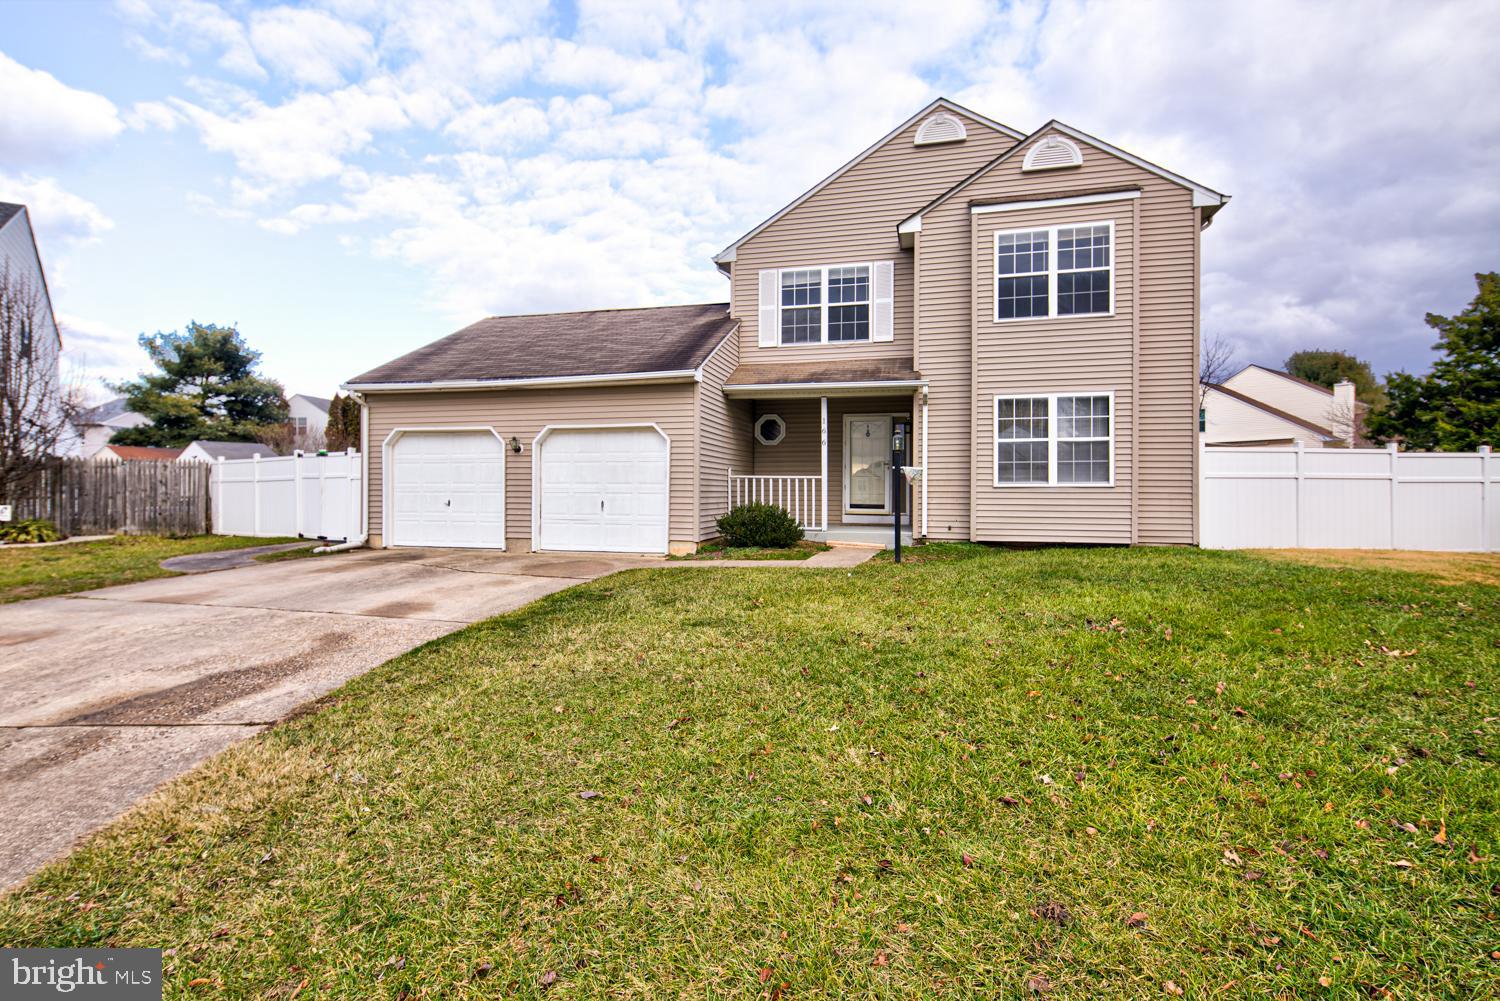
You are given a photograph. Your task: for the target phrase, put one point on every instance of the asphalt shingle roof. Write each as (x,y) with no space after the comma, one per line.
(558,345)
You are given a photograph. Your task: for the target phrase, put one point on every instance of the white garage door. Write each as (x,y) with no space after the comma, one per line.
(448,489)
(604,490)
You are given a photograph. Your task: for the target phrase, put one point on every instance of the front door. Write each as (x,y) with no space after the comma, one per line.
(867,473)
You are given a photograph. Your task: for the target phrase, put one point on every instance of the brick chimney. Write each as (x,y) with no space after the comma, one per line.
(1343,415)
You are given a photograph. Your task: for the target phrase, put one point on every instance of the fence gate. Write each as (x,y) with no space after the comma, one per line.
(1349,498)
(311,496)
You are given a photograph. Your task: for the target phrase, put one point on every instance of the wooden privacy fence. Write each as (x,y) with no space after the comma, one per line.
(1342,498)
(89,497)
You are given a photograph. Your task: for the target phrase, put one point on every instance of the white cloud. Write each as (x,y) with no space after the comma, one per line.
(512,123)
(45,120)
(309,46)
(152,115)
(197,25)
(58,216)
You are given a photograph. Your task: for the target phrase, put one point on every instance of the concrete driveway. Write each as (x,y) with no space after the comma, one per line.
(105,695)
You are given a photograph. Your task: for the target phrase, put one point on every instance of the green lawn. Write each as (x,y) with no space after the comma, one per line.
(83,566)
(1085,771)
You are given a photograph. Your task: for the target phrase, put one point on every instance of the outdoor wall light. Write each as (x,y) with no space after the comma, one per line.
(515,444)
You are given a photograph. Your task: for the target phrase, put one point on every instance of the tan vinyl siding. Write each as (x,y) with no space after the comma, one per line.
(854,220)
(1165,377)
(724,437)
(523,414)
(799,454)
(1048,356)
(1312,405)
(1232,421)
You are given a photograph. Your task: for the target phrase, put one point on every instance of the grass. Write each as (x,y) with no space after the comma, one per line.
(301,553)
(83,566)
(1447,568)
(719,551)
(1089,771)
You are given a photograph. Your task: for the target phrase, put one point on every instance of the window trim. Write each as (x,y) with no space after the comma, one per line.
(1052,272)
(1052,438)
(823,269)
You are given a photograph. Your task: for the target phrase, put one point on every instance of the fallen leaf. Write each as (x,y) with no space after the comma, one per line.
(1091,831)
(1441,837)
(1238,711)
(881,959)
(1270,940)
(1326,981)
(1038,984)
(1136,920)
(765,974)
(1009,801)
(482,969)
(589,794)
(1170,987)
(598,859)
(548,979)
(1053,911)
(1045,780)
(1231,857)
(903,927)
(1475,857)
(968,860)
(1401,863)
(199,982)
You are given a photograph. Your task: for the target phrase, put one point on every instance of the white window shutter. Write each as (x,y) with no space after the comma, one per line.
(882,323)
(769,324)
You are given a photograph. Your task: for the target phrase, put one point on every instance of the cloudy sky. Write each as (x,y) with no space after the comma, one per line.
(348,179)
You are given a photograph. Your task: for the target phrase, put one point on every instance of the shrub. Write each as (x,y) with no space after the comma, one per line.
(761,525)
(30,530)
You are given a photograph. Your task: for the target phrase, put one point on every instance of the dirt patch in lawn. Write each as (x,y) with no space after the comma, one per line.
(1446,568)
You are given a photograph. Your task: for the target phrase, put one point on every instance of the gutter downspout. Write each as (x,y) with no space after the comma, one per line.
(364,483)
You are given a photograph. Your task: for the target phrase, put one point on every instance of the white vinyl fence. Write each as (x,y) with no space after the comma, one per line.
(311,496)
(1341,498)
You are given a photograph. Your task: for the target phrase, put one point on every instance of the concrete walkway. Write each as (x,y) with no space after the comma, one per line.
(228,559)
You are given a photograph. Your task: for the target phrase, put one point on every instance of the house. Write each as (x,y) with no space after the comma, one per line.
(212,451)
(1021,309)
(1264,406)
(97,425)
(136,453)
(309,416)
(29,330)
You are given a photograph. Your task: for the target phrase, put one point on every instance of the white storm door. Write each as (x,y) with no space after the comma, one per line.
(448,490)
(867,477)
(604,490)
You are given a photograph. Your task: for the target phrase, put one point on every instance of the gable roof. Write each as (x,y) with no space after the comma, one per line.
(1203,196)
(727,255)
(1267,408)
(141,453)
(234,449)
(624,345)
(105,412)
(316,401)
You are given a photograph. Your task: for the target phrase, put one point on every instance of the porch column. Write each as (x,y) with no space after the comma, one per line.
(824,437)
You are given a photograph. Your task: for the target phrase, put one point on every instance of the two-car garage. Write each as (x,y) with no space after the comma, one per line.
(594,489)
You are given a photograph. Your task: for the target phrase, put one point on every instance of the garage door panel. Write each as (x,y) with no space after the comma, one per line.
(449,490)
(604,490)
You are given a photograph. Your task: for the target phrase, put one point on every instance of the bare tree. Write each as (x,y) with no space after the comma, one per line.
(37,411)
(1216,362)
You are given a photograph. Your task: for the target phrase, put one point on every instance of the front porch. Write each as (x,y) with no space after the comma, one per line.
(822,451)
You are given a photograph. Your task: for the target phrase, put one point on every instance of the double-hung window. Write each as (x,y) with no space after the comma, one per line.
(1055,439)
(825,304)
(1056,271)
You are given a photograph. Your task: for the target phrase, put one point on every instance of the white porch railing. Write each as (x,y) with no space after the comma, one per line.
(798,496)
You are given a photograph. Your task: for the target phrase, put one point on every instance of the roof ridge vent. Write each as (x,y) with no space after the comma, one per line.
(940,127)
(1052,153)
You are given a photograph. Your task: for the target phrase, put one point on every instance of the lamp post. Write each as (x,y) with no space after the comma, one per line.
(898,453)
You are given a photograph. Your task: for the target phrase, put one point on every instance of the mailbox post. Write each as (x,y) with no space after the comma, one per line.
(898,454)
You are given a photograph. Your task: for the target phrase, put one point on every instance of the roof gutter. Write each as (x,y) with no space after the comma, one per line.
(541,382)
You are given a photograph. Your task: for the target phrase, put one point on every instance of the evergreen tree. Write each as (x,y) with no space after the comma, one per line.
(1328,367)
(1456,407)
(343,424)
(206,386)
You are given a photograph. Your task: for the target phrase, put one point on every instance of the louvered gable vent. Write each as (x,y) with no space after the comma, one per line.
(940,127)
(1051,153)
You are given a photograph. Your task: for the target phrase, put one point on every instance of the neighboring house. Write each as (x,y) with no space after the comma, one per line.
(309,416)
(1023,307)
(212,451)
(136,453)
(97,425)
(37,387)
(1263,406)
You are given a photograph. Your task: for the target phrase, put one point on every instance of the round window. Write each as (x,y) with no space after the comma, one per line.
(770,429)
